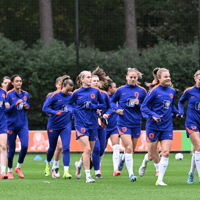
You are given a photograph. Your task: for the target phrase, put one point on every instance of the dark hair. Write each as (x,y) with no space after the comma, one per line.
(6,77)
(65,80)
(10,86)
(109,83)
(102,76)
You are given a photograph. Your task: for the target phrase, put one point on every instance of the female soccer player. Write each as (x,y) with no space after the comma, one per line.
(159,107)
(130,98)
(111,128)
(17,121)
(3,126)
(87,100)
(192,122)
(59,123)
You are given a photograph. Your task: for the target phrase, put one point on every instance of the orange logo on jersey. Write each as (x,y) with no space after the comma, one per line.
(151,135)
(136,94)
(83,130)
(193,127)
(25,98)
(9,131)
(92,95)
(171,95)
(50,130)
(124,129)
(3,95)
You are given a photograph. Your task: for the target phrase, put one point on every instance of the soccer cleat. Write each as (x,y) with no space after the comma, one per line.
(90,180)
(67,175)
(78,170)
(190,178)
(19,172)
(47,170)
(142,170)
(98,176)
(133,178)
(157,173)
(55,173)
(10,175)
(121,163)
(116,173)
(4,175)
(161,183)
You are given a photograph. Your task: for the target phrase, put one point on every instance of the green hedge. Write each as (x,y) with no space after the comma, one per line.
(40,65)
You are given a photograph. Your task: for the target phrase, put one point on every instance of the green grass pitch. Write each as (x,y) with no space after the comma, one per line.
(33,186)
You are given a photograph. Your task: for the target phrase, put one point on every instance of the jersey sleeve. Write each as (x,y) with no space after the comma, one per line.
(12,106)
(116,98)
(181,101)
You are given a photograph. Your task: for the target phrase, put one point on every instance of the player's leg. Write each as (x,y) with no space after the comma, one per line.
(192,169)
(3,154)
(102,141)
(96,159)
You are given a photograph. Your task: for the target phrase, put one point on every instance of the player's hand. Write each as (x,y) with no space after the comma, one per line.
(7,105)
(59,113)
(105,116)
(180,115)
(136,101)
(157,119)
(25,106)
(18,102)
(120,111)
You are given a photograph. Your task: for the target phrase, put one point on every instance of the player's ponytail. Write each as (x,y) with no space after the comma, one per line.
(102,76)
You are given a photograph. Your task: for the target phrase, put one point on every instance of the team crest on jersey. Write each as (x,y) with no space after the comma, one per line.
(1,103)
(83,130)
(92,95)
(25,98)
(136,94)
(124,129)
(197,106)
(171,95)
(151,135)
(166,104)
(194,127)
(3,95)
(9,132)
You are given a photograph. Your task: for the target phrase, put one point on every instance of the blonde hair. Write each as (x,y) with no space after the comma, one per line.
(139,74)
(98,72)
(197,73)
(80,77)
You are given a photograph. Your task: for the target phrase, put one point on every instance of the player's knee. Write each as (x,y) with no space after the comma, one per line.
(4,148)
(150,156)
(129,149)
(65,150)
(87,150)
(165,153)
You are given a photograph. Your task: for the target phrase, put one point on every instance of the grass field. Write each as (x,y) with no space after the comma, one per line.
(33,186)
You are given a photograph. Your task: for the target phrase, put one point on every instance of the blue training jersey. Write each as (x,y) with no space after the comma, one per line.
(55,103)
(16,114)
(125,96)
(87,117)
(159,103)
(191,94)
(3,121)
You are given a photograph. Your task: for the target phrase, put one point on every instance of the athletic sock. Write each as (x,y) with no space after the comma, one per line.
(55,164)
(18,165)
(115,156)
(49,162)
(193,165)
(197,161)
(129,163)
(97,172)
(87,173)
(66,168)
(156,166)
(162,167)
(146,160)
(80,163)
(9,169)
(3,169)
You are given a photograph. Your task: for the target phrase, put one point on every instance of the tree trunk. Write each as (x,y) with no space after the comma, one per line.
(131,29)
(46,22)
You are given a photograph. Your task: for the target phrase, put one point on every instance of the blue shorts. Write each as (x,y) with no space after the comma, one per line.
(153,135)
(82,131)
(191,128)
(134,132)
(112,132)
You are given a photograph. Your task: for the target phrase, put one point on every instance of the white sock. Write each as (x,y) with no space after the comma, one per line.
(9,169)
(55,164)
(193,165)
(115,156)
(129,163)
(18,165)
(66,168)
(3,169)
(97,172)
(156,166)
(162,167)
(80,163)
(146,160)
(197,161)
(87,172)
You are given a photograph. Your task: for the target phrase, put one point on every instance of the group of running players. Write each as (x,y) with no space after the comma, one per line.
(101,111)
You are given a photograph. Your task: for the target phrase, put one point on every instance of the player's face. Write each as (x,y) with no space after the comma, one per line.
(95,82)
(5,83)
(86,80)
(58,85)
(17,82)
(197,79)
(132,78)
(165,79)
(113,89)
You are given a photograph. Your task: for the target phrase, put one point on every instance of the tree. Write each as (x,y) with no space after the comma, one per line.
(131,29)
(46,22)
